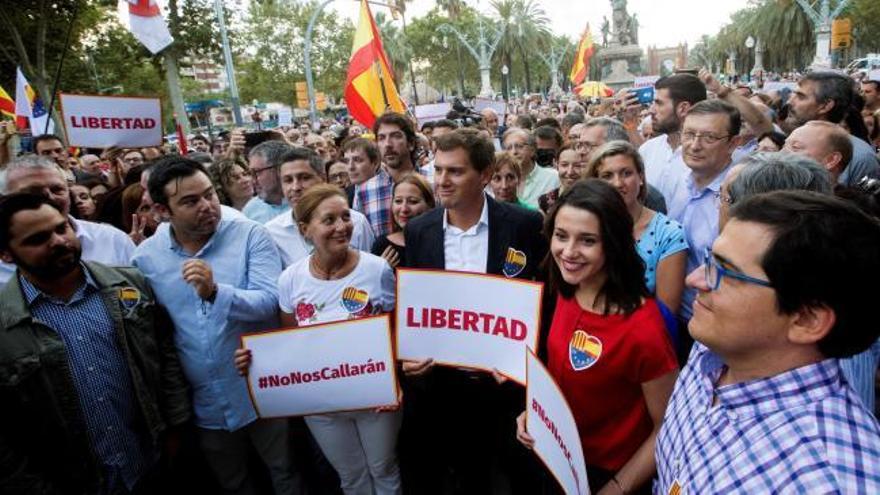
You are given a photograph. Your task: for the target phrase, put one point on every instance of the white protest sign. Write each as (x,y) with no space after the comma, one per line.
(285,116)
(874,75)
(340,366)
(550,422)
(500,107)
(467,319)
(105,121)
(778,85)
(645,81)
(431,112)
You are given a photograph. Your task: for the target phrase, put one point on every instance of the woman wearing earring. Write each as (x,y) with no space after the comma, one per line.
(607,348)
(660,241)
(360,445)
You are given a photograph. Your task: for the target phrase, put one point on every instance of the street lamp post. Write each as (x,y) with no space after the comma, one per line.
(482,53)
(230,70)
(504,72)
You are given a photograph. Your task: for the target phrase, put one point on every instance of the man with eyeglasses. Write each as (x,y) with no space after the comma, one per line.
(536,180)
(708,137)
(762,405)
(264,160)
(673,98)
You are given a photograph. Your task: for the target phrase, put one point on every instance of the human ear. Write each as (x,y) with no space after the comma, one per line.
(811,324)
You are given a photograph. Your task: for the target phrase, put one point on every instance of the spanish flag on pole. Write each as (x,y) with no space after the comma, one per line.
(369,87)
(581,65)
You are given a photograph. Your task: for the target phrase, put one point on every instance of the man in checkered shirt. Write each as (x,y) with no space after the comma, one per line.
(762,405)
(396,139)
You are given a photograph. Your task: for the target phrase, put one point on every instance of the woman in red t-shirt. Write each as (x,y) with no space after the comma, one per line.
(607,348)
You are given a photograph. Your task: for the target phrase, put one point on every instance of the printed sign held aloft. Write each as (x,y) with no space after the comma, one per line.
(340,366)
(105,121)
(550,422)
(467,319)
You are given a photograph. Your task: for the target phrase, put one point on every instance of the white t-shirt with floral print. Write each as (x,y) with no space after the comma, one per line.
(369,289)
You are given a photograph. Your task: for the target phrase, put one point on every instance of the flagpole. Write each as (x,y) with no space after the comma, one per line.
(58,73)
(381,82)
(172,77)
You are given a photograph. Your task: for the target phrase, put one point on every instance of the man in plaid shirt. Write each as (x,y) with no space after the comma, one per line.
(396,139)
(762,405)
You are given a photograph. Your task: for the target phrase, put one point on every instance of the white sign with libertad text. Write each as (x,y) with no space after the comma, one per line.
(105,121)
(469,320)
(550,422)
(340,366)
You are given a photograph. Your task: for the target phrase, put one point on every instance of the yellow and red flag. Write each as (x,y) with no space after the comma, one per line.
(369,87)
(581,65)
(593,89)
(7,104)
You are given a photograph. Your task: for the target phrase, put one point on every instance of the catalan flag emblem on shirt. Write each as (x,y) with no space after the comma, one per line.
(514,263)
(354,299)
(584,350)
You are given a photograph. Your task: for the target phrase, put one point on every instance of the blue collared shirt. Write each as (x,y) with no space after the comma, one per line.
(246,266)
(261,212)
(801,431)
(697,211)
(101,377)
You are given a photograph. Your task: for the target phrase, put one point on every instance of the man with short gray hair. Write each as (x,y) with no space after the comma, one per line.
(40,175)
(264,160)
(766,172)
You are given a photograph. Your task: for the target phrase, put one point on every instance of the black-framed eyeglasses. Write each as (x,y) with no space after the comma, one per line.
(706,138)
(256,171)
(715,272)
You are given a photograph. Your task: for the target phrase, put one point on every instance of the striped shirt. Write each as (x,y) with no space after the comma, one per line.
(101,377)
(861,372)
(801,431)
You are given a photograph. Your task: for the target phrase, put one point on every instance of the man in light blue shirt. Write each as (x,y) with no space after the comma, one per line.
(217,278)
(269,201)
(708,137)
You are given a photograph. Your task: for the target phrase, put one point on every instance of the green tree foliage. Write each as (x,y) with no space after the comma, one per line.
(865,15)
(269,50)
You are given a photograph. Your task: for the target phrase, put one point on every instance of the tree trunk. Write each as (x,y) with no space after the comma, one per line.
(522,53)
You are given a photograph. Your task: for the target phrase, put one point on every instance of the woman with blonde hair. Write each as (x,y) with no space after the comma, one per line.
(660,241)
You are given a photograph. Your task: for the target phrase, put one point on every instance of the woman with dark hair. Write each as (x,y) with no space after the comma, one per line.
(607,347)
(410,197)
(771,141)
(137,215)
(232,181)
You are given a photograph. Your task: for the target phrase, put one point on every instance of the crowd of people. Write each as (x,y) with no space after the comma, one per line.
(715,252)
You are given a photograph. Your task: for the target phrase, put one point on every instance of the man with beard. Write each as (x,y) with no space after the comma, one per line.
(673,97)
(827,96)
(200,144)
(396,139)
(90,381)
(100,242)
(269,201)
(218,279)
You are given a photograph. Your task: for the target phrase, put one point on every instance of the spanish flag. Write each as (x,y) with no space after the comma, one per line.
(369,87)
(581,65)
(7,104)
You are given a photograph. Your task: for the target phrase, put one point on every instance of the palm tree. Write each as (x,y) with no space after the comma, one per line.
(526,26)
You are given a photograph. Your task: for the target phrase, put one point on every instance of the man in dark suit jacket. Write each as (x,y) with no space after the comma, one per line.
(458,424)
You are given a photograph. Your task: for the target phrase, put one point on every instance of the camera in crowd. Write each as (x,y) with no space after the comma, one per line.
(463,115)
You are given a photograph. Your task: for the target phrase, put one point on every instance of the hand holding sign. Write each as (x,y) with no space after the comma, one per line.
(447,317)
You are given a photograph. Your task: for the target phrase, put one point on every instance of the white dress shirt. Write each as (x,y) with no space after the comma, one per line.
(100,242)
(467,250)
(664,167)
(293,247)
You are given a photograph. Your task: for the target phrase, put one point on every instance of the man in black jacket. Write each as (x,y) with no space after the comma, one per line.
(89,378)
(458,423)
